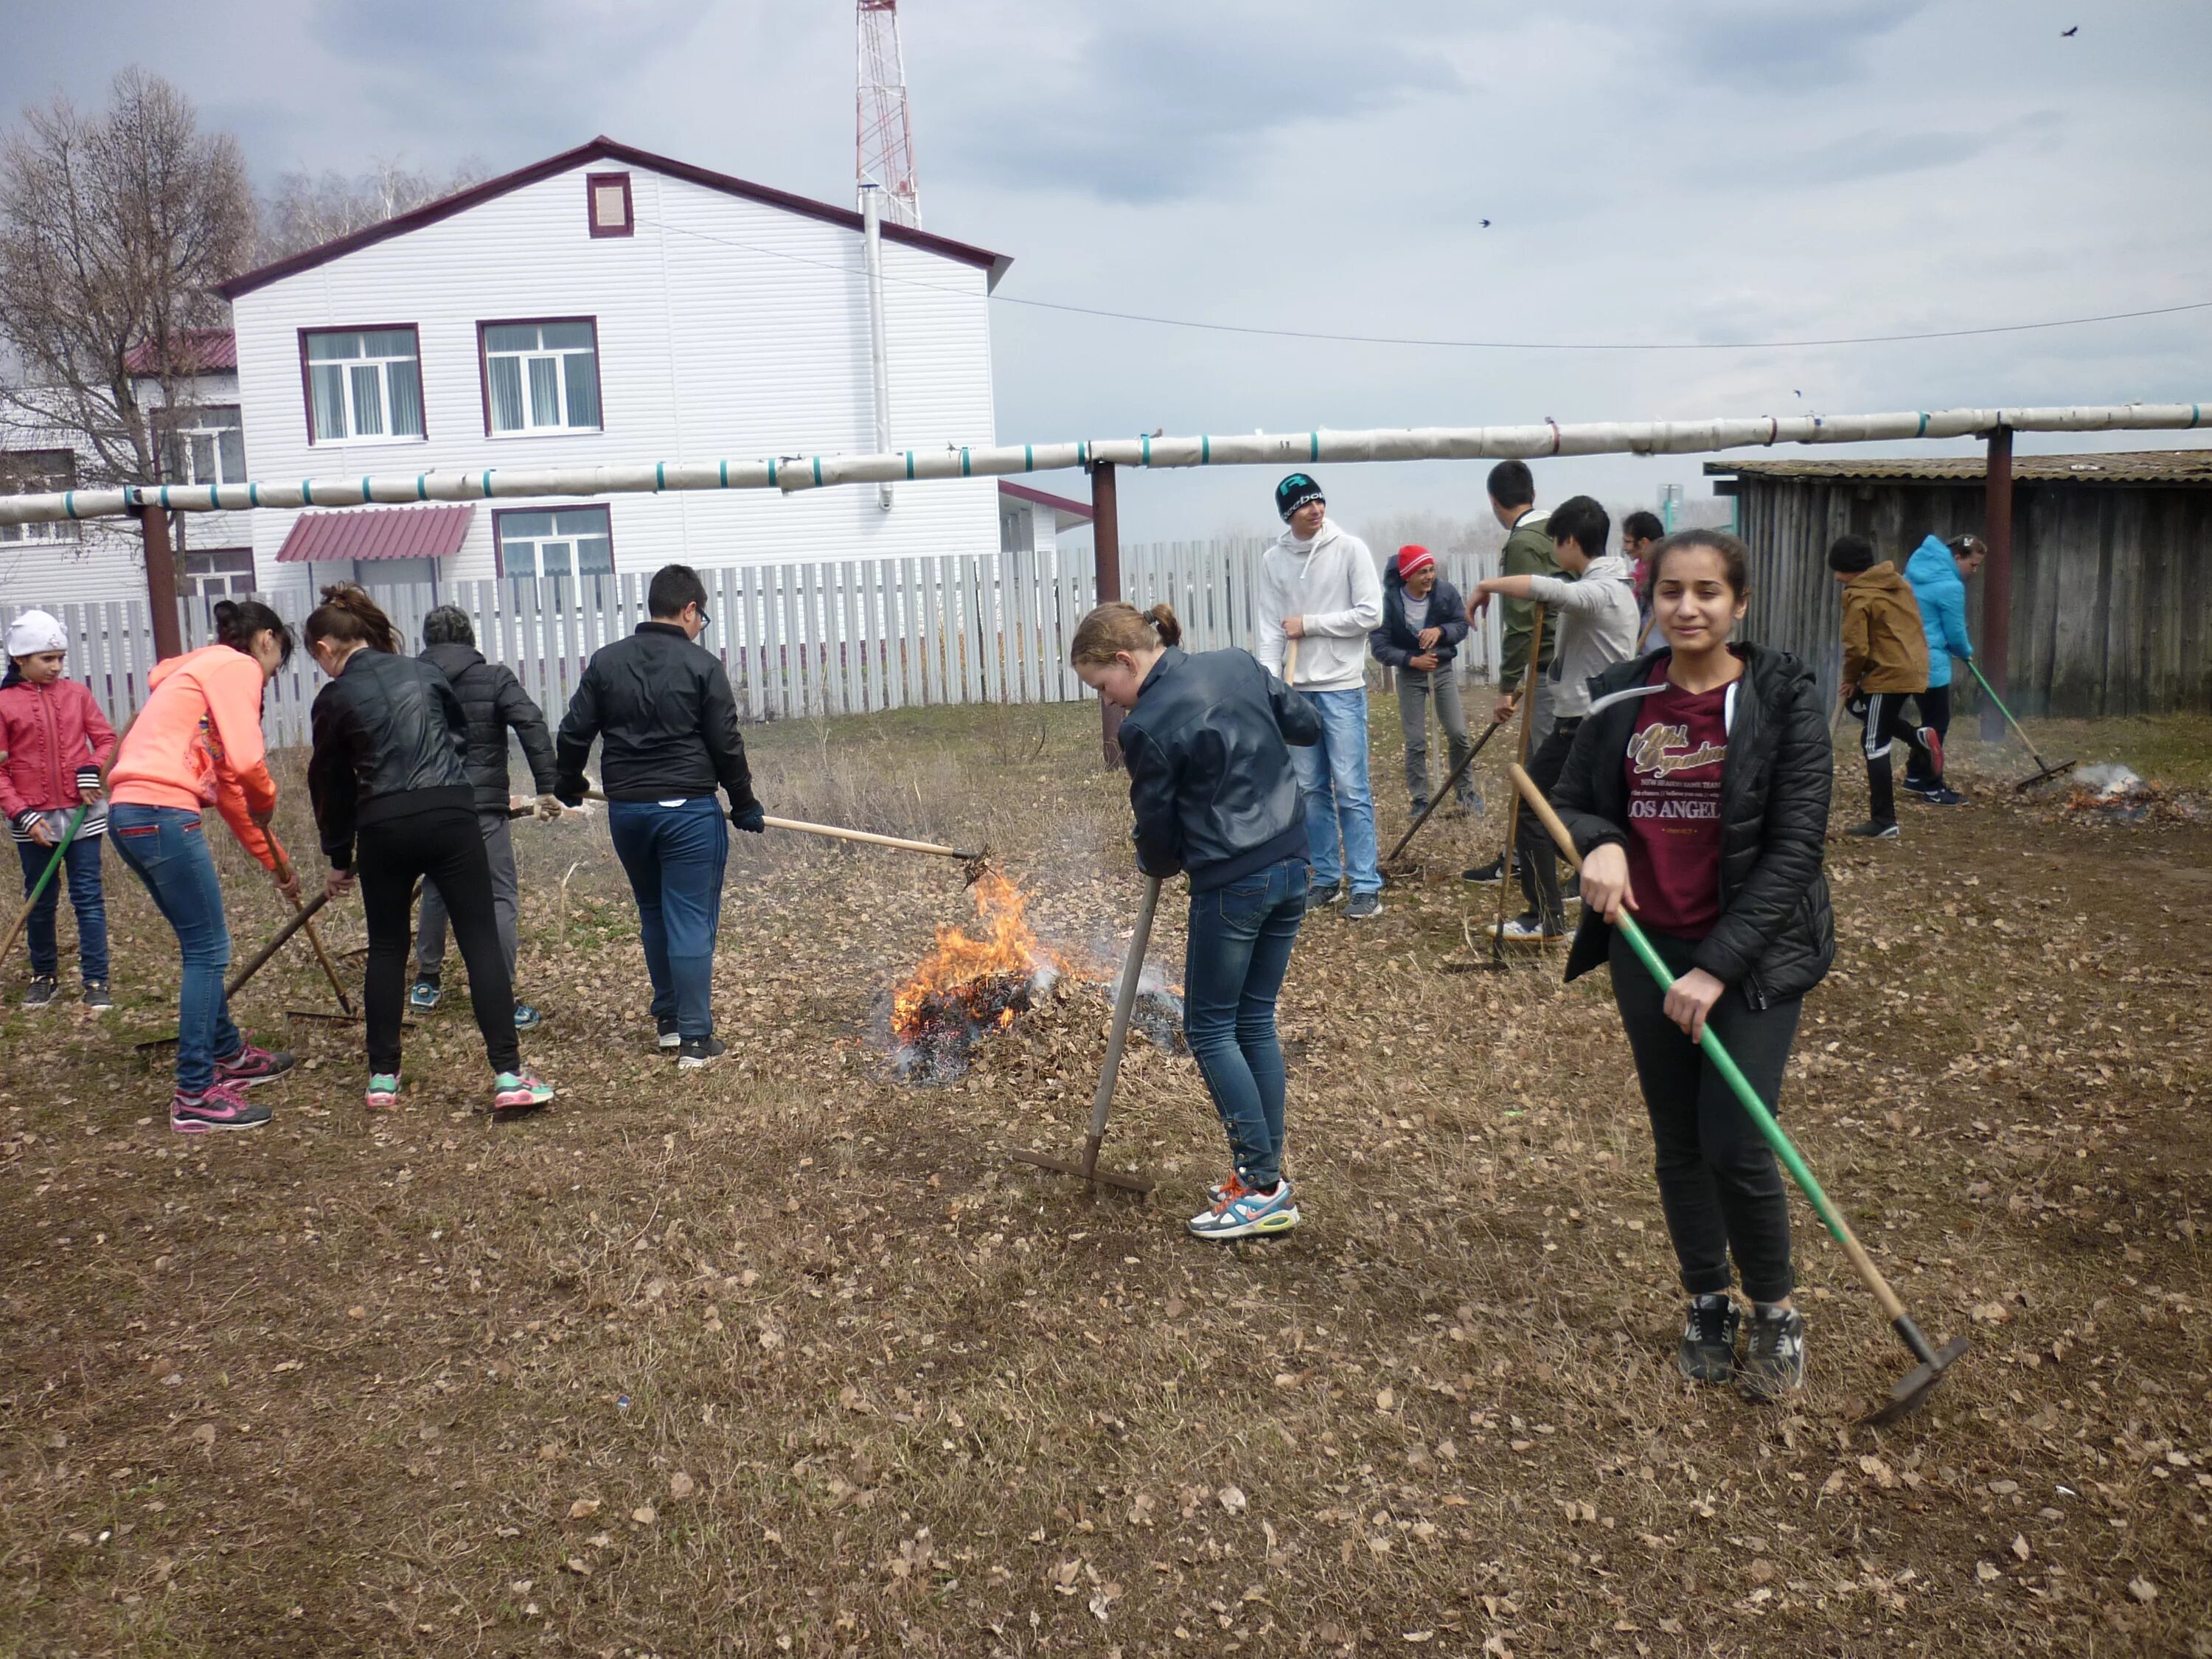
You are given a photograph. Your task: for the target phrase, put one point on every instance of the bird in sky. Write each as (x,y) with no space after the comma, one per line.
(2067,34)
(1486,224)
(1797,394)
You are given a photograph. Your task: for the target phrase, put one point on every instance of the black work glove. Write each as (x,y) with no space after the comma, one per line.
(749,817)
(569,791)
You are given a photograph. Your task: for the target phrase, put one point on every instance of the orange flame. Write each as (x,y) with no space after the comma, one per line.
(968,969)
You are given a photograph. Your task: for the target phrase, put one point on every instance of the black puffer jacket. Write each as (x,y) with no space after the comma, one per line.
(1394,640)
(493,700)
(1210,779)
(1777,934)
(663,707)
(390,740)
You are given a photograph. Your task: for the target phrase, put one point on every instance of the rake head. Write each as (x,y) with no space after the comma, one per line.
(2044,775)
(1140,1185)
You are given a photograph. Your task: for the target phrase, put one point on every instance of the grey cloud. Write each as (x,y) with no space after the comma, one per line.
(1164,110)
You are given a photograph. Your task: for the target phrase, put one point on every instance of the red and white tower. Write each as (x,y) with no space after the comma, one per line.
(884,135)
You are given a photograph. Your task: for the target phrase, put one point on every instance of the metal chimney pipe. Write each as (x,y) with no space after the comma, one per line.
(872,195)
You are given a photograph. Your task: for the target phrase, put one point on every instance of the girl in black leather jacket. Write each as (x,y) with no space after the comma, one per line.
(1215,796)
(389,778)
(1698,793)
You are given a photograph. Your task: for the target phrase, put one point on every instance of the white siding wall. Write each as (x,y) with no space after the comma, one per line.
(727,328)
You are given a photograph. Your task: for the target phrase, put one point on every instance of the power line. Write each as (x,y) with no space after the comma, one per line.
(1324,337)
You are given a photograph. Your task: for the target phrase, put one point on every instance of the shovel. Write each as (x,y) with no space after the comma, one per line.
(2044,770)
(1913,1389)
(1125,1003)
(23,916)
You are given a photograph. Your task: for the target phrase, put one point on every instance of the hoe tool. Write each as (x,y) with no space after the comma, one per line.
(2044,770)
(23,916)
(1125,1003)
(1913,1388)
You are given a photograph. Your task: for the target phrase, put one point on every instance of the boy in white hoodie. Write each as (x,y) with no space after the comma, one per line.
(1320,586)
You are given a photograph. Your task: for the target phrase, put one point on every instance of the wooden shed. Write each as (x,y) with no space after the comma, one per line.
(2112,565)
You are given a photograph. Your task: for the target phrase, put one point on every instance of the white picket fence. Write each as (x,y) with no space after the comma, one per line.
(799,641)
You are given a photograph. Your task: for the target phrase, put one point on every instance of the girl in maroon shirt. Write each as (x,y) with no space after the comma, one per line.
(1698,791)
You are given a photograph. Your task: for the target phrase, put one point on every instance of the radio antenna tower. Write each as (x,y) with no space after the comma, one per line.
(884,135)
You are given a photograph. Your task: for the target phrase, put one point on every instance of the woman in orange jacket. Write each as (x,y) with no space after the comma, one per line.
(197,743)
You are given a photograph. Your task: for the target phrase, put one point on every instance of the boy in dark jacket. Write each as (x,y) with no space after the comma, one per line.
(1424,620)
(1885,662)
(662,707)
(494,704)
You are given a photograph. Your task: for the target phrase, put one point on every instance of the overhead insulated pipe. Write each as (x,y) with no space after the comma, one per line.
(1251,449)
(871,196)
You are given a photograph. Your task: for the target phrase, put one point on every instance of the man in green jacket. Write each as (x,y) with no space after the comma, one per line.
(1528,552)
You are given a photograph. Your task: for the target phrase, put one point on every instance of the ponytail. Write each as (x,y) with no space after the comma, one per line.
(348,615)
(237,620)
(1114,628)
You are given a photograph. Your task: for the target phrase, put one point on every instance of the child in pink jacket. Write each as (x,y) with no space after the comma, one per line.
(53,741)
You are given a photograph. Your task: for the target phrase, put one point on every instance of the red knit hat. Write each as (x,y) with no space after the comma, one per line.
(1412,557)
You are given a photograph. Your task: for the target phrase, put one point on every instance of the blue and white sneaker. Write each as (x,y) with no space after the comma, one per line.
(1243,1214)
(425,994)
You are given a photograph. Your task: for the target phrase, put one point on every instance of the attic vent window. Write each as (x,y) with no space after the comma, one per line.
(606,195)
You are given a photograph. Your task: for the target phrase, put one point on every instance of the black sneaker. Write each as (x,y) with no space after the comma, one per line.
(1938,795)
(1364,907)
(669,1039)
(1416,810)
(1708,1349)
(1325,892)
(1774,1359)
(96,998)
(695,1052)
(1492,871)
(42,991)
(1872,829)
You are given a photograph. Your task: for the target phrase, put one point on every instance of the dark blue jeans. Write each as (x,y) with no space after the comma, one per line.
(1241,937)
(165,846)
(80,869)
(674,857)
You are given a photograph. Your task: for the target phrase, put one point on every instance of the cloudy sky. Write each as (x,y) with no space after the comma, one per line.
(1700,173)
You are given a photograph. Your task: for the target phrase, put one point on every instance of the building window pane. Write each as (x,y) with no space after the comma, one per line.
(230,447)
(330,404)
(505,394)
(368,400)
(365,383)
(557,363)
(545,392)
(582,369)
(574,541)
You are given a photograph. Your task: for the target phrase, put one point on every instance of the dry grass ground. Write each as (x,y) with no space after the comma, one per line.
(786,1358)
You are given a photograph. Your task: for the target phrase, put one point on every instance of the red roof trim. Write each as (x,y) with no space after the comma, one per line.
(378,532)
(191,351)
(607,149)
(1045,498)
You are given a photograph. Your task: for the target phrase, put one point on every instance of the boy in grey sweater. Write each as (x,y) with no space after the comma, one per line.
(1597,628)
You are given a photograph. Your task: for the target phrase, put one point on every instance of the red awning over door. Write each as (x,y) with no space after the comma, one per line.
(378,532)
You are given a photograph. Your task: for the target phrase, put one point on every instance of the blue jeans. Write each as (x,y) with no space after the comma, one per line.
(80,869)
(1241,937)
(1339,806)
(165,847)
(674,857)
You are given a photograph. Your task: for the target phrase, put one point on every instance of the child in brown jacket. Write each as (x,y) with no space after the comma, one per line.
(1885,662)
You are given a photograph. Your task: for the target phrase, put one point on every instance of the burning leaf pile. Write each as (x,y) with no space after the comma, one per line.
(970,985)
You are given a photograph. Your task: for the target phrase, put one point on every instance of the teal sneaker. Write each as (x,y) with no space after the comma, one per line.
(520,1091)
(383,1092)
(1244,1213)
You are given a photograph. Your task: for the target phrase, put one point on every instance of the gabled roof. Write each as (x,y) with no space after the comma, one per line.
(1060,504)
(604,149)
(191,351)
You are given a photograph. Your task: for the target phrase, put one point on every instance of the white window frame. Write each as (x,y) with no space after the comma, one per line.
(17,474)
(511,550)
(191,426)
(557,361)
(351,382)
(214,573)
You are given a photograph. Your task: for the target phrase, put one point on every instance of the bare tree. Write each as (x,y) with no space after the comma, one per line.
(307,209)
(115,228)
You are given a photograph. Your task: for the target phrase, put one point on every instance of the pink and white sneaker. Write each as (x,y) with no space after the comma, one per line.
(520,1091)
(219,1106)
(251,1065)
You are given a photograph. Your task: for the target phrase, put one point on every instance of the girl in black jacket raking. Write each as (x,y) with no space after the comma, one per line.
(1697,792)
(390,781)
(1216,798)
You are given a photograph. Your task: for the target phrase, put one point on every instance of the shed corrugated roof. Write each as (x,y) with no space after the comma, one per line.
(377,532)
(2148,466)
(1045,498)
(193,351)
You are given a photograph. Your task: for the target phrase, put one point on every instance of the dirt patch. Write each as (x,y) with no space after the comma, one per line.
(786,1357)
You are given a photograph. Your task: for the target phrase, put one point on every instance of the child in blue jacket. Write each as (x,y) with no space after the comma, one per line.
(1939,571)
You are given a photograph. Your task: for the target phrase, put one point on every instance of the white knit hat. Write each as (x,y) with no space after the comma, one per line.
(35,632)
